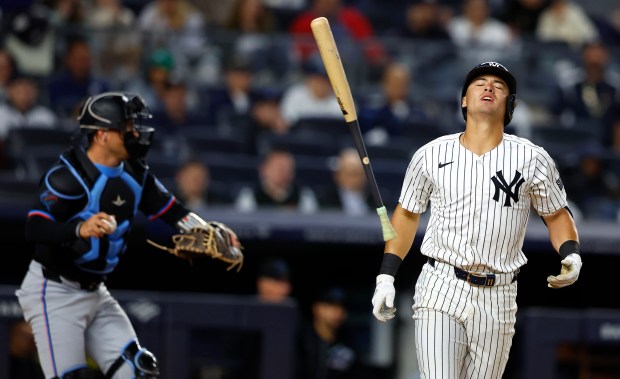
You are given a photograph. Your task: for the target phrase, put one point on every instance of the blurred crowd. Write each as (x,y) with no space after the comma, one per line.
(244,111)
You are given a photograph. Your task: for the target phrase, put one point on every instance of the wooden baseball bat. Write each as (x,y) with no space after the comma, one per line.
(335,71)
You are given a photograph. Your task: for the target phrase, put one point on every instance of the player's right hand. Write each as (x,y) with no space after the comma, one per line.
(98,225)
(383,298)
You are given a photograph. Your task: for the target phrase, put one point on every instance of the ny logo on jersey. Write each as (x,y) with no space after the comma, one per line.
(501,184)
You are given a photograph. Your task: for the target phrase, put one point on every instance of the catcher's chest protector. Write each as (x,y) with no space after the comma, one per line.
(111,190)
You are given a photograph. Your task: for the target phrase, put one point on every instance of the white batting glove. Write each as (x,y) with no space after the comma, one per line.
(383,298)
(571,266)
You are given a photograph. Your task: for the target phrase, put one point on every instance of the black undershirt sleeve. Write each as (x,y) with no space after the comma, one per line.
(42,230)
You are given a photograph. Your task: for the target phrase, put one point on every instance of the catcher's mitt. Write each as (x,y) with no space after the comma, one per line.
(214,240)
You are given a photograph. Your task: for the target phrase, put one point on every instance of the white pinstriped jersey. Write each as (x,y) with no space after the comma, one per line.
(480,205)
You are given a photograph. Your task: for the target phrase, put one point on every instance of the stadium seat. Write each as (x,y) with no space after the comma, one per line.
(22,141)
(562,143)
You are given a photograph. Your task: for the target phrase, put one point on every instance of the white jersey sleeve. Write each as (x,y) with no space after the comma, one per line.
(417,185)
(547,190)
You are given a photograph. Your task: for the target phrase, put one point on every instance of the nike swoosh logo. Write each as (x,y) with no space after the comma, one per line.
(441,165)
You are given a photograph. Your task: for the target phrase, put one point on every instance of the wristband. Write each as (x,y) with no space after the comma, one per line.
(569,247)
(77,229)
(390,264)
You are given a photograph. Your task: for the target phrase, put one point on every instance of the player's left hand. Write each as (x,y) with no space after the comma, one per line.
(571,266)
(383,298)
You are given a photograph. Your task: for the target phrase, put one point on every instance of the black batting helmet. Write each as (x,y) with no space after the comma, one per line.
(113,110)
(494,68)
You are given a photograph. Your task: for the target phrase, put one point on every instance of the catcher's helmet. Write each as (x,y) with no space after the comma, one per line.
(494,68)
(113,110)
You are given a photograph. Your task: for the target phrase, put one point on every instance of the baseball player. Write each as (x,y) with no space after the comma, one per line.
(482,184)
(87,204)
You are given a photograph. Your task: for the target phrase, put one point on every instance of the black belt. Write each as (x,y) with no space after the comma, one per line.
(88,285)
(477,279)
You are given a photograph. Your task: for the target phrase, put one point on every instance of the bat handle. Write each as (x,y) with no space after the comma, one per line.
(386,226)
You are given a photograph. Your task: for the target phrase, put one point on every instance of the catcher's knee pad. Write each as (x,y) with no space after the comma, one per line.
(142,361)
(83,373)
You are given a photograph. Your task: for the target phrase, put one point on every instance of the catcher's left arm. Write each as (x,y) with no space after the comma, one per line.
(199,238)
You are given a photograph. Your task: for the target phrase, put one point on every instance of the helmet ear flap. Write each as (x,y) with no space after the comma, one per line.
(511,104)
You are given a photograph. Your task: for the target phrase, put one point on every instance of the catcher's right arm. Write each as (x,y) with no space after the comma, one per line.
(212,239)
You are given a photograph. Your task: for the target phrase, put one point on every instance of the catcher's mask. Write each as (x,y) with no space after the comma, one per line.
(494,68)
(114,111)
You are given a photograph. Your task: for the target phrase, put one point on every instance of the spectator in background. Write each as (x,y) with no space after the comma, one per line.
(590,95)
(608,26)
(118,47)
(522,16)
(23,359)
(176,113)
(8,70)
(311,98)
(325,349)
(193,187)
(236,97)
(67,13)
(350,193)
(350,27)
(565,21)
(173,24)
(277,188)
(28,35)
(106,14)
(392,110)
(253,26)
(273,282)
(422,22)
(613,133)
(478,34)
(251,16)
(267,115)
(75,80)
(158,73)
(593,187)
(22,109)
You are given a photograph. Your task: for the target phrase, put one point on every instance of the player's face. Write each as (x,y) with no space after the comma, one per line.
(116,139)
(487,95)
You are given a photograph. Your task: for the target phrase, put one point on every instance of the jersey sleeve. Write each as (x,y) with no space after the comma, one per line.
(158,202)
(417,185)
(548,193)
(60,198)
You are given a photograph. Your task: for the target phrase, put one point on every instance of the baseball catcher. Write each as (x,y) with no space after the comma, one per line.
(83,214)
(213,239)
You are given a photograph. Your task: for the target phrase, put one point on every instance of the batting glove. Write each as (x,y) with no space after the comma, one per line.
(571,265)
(383,298)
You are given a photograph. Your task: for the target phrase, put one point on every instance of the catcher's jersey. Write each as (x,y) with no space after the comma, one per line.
(480,205)
(73,190)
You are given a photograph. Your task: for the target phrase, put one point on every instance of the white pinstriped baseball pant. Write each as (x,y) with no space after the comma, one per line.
(462,331)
